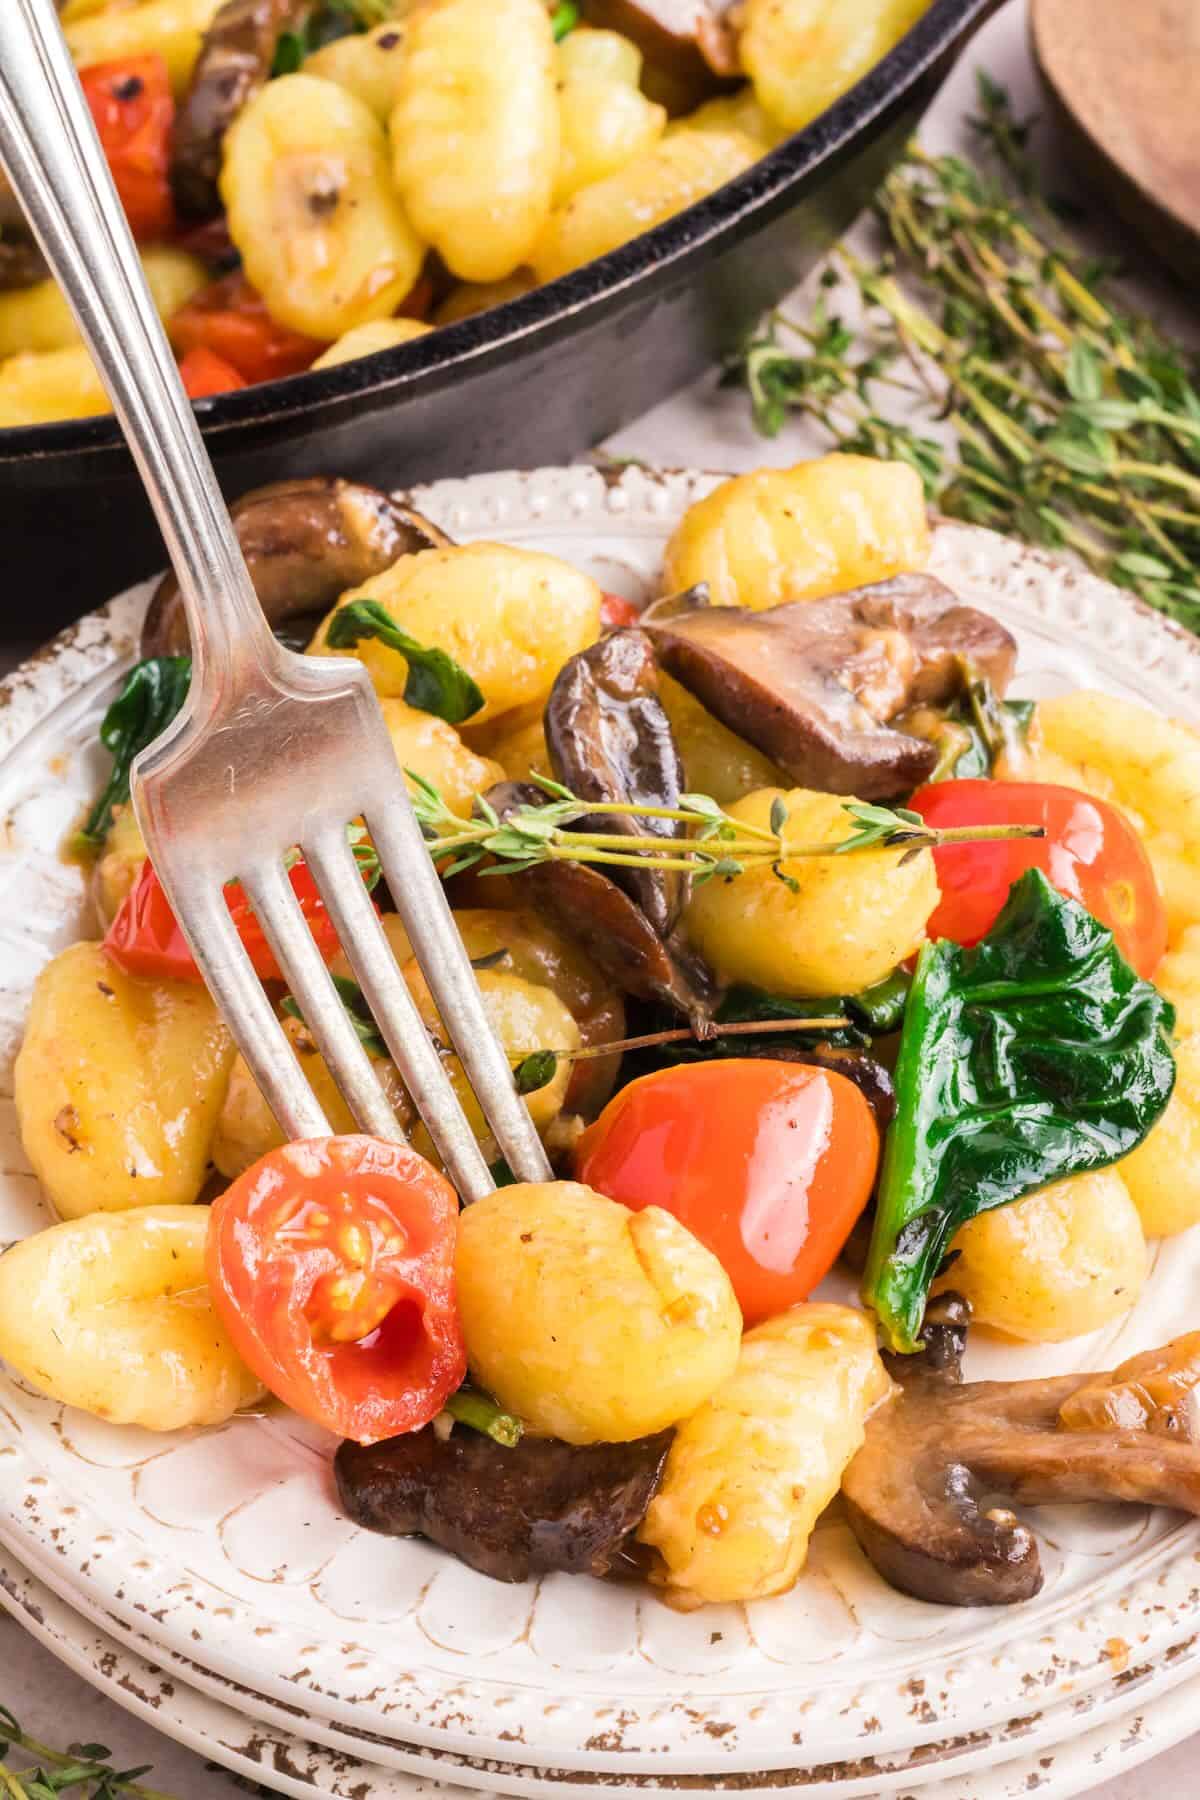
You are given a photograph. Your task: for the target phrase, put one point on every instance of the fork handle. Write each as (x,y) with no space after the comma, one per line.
(52,156)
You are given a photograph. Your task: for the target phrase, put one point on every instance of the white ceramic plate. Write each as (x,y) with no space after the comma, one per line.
(287,1762)
(226,1547)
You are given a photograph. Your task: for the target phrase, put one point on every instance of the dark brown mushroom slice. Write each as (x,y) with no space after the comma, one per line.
(690,46)
(22,264)
(234,63)
(926,1495)
(604,921)
(610,741)
(813,684)
(305,543)
(510,1513)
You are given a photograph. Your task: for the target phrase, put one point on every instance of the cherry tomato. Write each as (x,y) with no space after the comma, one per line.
(230,319)
(133,110)
(768,1163)
(1089,852)
(331,1263)
(205,373)
(616,612)
(145,939)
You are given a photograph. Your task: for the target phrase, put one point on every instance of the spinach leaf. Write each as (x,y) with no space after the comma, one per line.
(325,23)
(357,1011)
(564,19)
(435,682)
(978,729)
(1037,1054)
(153,693)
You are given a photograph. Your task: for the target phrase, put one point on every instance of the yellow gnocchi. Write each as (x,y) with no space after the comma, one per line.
(366,63)
(751,1471)
(112,1314)
(608,1325)
(1163,1173)
(38,318)
(365,340)
(510,617)
(801,55)
(605,119)
(1060,1262)
(677,171)
(311,206)
(118,1085)
(475,131)
(832,925)
(820,528)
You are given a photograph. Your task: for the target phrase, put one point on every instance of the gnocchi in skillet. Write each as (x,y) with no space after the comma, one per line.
(853,1001)
(353,173)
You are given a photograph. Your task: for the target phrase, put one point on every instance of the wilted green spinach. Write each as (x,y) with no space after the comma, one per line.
(1037,1054)
(435,683)
(153,693)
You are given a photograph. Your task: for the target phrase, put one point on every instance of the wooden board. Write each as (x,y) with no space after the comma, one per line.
(1124,80)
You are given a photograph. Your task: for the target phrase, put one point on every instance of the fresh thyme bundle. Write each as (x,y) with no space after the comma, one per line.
(1075,423)
(84,1771)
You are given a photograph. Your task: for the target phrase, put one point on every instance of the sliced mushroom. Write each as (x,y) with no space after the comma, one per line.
(21,262)
(305,544)
(690,46)
(610,741)
(925,1496)
(617,935)
(235,61)
(508,1513)
(814,683)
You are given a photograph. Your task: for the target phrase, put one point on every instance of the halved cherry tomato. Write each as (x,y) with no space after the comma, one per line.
(204,373)
(1089,852)
(331,1263)
(144,939)
(616,612)
(133,110)
(229,318)
(768,1163)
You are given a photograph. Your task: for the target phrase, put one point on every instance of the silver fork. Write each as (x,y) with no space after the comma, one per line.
(272,751)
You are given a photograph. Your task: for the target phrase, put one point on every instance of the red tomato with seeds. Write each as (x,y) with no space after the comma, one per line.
(230,318)
(768,1163)
(133,111)
(331,1263)
(144,939)
(1089,852)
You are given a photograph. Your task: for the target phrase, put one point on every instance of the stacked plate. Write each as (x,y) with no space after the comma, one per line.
(209,1579)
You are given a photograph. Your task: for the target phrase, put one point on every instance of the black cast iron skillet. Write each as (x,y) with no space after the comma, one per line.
(537,380)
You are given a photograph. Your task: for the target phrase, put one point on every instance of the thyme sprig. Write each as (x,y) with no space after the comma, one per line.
(720,845)
(1074,422)
(84,1770)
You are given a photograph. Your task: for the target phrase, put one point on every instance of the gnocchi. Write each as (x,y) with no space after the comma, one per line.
(801,55)
(510,617)
(112,1313)
(1145,764)
(365,340)
(609,1325)
(605,119)
(475,132)
(751,1471)
(118,1085)
(322,234)
(367,64)
(674,173)
(1163,1173)
(831,925)
(1059,1263)
(38,318)
(428,746)
(247,1128)
(820,528)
